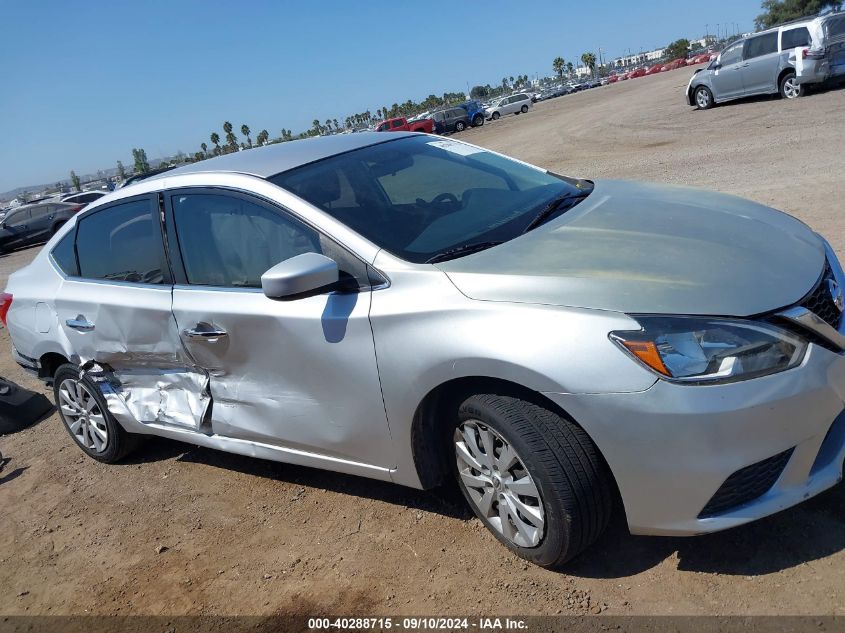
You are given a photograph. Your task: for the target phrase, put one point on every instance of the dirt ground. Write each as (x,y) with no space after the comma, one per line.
(184,530)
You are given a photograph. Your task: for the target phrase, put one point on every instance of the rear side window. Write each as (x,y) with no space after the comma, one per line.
(397,124)
(761,45)
(121,243)
(795,37)
(64,256)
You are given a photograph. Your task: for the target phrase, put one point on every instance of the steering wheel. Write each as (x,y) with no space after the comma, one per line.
(440,198)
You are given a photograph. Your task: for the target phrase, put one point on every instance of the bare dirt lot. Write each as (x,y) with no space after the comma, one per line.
(184,530)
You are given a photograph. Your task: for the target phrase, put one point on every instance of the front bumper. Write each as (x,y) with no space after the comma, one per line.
(672,446)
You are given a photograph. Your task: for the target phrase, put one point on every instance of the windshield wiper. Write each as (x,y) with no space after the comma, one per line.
(460,251)
(554,206)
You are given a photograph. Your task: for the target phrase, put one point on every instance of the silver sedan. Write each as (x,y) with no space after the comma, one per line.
(421,310)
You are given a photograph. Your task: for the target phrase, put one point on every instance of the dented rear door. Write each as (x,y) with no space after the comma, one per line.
(117,316)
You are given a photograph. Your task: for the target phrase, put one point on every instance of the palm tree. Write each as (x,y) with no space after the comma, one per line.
(558,64)
(245,132)
(262,137)
(336,124)
(570,67)
(231,140)
(316,127)
(204,149)
(215,139)
(589,61)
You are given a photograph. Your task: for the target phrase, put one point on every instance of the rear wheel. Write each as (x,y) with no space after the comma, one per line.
(460,126)
(57,226)
(477,120)
(703,98)
(789,86)
(86,417)
(524,109)
(495,116)
(533,478)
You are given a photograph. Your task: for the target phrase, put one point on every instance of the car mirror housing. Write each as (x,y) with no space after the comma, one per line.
(299,275)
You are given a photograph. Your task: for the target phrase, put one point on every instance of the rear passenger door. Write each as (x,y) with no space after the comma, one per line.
(40,221)
(115,308)
(760,70)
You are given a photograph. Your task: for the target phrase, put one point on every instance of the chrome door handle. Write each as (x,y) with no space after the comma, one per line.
(205,335)
(80,323)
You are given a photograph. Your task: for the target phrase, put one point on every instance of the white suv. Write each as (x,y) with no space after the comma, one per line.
(515,104)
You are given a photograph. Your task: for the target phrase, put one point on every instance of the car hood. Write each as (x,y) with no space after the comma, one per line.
(645,248)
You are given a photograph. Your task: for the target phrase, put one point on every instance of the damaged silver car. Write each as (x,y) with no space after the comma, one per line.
(420,310)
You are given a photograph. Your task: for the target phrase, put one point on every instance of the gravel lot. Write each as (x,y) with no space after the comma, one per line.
(183,530)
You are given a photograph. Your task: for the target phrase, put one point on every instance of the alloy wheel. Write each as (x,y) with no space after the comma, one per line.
(702,99)
(499,484)
(791,89)
(82,415)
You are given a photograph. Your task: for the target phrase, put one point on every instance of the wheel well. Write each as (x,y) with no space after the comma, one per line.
(784,73)
(50,362)
(436,411)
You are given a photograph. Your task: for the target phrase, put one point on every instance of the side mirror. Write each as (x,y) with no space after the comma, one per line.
(299,275)
(716,65)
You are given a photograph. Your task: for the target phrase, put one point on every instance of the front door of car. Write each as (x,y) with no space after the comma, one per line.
(299,373)
(760,70)
(726,80)
(115,310)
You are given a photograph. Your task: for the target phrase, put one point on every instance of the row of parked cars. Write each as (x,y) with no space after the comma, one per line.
(784,60)
(471,113)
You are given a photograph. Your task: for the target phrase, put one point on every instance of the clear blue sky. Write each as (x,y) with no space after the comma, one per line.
(85,82)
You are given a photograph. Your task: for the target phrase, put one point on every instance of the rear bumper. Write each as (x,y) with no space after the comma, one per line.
(672,447)
(30,365)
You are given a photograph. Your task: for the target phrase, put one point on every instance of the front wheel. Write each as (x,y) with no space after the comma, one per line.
(533,477)
(86,417)
(495,116)
(703,98)
(789,86)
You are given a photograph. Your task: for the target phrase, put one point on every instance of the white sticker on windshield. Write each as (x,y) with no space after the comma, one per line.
(456,148)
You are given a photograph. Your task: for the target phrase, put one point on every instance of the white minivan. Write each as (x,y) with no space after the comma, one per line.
(515,104)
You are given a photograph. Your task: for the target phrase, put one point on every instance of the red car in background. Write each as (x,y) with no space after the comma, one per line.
(637,72)
(612,78)
(401,124)
(654,69)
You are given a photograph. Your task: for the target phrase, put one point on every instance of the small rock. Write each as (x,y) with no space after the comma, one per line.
(22,594)
(267,576)
(596,609)
(419,515)
(161,549)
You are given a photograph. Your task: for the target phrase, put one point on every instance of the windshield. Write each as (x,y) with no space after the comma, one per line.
(418,197)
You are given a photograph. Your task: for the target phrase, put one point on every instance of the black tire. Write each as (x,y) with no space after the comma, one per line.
(57,226)
(478,120)
(119,443)
(788,89)
(570,474)
(495,116)
(460,126)
(703,98)
(524,109)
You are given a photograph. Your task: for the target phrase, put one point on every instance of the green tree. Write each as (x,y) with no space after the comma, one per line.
(215,139)
(245,132)
(678,48)
(558,65)
(316,127)
(142,166)
(589,61)
(121,171)
(479,92)
(231,139)
(777,11)
(74,179)
(204,149)
(262,137)
(570,68)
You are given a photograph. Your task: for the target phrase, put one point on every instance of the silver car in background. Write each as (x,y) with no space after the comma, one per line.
(514,104)
(420,310)
(781,60)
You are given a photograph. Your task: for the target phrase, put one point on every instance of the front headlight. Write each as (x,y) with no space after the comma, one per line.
(701,349)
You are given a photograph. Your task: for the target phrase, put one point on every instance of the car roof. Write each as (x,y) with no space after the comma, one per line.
(273,159)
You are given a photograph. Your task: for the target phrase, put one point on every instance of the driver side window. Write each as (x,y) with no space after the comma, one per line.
(732,55)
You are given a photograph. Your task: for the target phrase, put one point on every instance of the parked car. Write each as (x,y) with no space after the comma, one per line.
(612,78)
(475,112)
(653,70)
(766,63)
(34,223)
(436,312)
(451,120)
(637,72)
(401,124)
(514,104)
(84,197)
(823,56)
